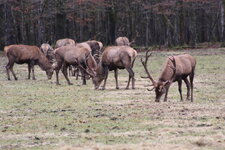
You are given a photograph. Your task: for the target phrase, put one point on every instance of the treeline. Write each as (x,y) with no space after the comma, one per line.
(147,22)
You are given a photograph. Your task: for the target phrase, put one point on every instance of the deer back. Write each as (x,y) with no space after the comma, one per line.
(122,41)
(23,52)
(64,42)
(185,64)
(119,56)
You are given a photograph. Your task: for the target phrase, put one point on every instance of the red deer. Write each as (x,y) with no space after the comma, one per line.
(123,41)
(114,58)
(31,55)
(177,68)
(76,56)
(64,42)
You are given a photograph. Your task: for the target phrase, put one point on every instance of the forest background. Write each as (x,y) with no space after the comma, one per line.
(167,23)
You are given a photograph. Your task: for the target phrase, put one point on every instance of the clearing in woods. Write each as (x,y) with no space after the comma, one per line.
(41,115)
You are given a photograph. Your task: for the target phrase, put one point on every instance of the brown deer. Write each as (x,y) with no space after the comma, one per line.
(76,56)
(114,58)
(31,55)
(177,68)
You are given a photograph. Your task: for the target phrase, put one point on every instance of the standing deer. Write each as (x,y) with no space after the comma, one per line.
(31,55)
(177,68)
(114,58)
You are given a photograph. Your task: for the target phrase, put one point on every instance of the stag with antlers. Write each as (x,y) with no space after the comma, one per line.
(177,68)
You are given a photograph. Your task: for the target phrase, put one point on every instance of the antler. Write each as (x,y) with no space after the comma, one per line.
(96,55)
(92,75)
(144,63)
(81,67)
(131,42)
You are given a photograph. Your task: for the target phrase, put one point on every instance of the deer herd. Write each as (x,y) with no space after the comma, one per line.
(89,60)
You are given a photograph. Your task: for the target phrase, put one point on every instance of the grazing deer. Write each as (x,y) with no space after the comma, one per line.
(114,58)
(177,68)
(31,55)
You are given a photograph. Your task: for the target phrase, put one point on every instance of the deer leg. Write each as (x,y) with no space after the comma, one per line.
(83,76)
(167,91)
(11,69)
(65,73)
(116,78)
(188,88)
(57,68)
(7,72)
(131,76)
(29,70)
(8,67)
(180,89)
(70,71)
(33,73)
(106,70)
(57,77)
(191,81)
(32,68)
(132,65)
(76,73)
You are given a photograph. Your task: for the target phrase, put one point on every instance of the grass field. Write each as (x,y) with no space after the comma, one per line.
(41,115)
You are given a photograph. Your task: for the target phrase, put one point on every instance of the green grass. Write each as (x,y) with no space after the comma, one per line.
(41,115)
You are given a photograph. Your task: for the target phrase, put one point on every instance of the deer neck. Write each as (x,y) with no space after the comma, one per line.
(44,63)
(166,74)
(100,69)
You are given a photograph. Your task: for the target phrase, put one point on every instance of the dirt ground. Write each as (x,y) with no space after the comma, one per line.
(41,115)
